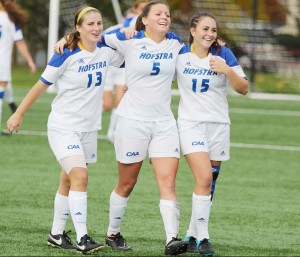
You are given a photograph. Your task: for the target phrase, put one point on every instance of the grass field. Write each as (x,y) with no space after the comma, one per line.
(256,210)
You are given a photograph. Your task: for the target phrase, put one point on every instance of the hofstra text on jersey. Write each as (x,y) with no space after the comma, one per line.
(156,56)
(92,66)
(199,71)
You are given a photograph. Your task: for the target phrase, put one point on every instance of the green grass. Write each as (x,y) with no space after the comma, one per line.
(256,206)
(275,83)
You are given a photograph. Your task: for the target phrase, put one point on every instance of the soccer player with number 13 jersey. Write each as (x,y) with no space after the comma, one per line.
(74,122)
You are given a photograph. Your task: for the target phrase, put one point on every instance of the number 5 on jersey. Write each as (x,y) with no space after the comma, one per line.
(155,68)
(203,87)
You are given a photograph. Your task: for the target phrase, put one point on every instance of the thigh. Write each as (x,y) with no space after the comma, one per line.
(202,171)
(165,170)
(128,174)
(131,140)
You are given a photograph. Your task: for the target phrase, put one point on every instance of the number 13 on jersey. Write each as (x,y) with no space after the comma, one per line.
(203,87)
(98,79)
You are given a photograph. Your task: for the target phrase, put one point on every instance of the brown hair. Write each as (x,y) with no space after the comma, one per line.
(73,38)
(194,21)
(15,13)
(139,25)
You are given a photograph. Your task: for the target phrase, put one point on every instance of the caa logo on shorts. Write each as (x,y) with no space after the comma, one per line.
(132,154)
(198,143)
(73,147)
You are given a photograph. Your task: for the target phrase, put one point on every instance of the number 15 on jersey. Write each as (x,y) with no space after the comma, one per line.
(203,86)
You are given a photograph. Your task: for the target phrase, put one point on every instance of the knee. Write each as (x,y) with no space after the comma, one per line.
(205,181)
(167,189)
(65,183)
(169,185)
(79,178)
(126,187)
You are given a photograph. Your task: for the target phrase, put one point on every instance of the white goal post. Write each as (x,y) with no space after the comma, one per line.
(53,26)
(54,10)
(64,6)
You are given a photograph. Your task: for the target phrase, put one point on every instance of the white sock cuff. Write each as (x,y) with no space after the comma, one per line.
(118,199)
(63,197)
(61,202)
(77,194)
(168,203)
(201,197)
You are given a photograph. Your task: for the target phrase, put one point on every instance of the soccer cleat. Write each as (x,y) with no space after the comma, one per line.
(192,244)
(4,132)
(62,241)
(205,248)
(88,245)
(176,246)
(117,242)
(13,107)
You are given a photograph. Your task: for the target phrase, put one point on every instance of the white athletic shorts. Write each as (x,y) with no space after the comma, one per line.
(134,139)
(114,76)
(5,72)
(65,143)
(213,138)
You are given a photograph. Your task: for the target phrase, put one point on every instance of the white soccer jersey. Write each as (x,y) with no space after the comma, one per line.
(9,33)
(79,77)
(149,68)
(203,93)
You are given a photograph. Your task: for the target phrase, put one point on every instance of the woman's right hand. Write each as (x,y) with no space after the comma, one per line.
(60,45)
(14,123)
(129,33)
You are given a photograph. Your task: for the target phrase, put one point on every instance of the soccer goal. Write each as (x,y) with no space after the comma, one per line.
(62,11)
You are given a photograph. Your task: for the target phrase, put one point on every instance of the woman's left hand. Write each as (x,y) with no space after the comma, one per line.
(218,65)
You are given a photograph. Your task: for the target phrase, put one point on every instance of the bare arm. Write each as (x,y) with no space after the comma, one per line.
(239,84)
(15,121)
(22,47)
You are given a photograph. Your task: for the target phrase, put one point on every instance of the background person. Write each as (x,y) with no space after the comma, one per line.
(73,128)
(12,19)
(204,69)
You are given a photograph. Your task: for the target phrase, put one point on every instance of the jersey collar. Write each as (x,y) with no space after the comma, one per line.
(147,36)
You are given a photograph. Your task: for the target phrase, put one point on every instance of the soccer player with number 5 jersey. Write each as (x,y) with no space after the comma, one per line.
(146,125)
